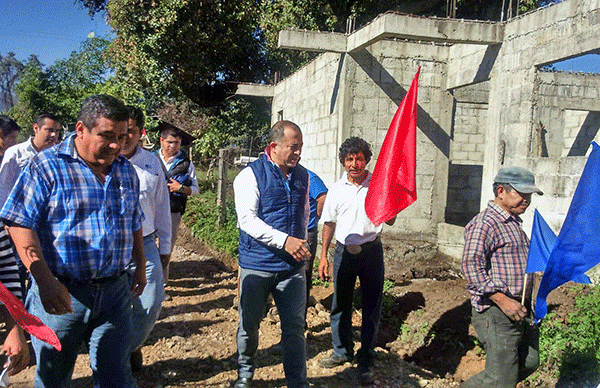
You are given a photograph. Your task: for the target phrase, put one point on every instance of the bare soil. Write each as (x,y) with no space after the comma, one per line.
(425,338)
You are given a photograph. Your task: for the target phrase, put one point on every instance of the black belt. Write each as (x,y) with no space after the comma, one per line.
(94,281)
(355,249)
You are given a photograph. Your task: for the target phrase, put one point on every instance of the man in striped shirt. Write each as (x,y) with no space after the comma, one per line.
(494,262)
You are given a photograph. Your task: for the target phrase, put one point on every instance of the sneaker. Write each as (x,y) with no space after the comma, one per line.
(366,375)
(334,360)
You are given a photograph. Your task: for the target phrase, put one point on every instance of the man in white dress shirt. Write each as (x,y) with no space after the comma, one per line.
(46,131)
(154,199)
(358,253)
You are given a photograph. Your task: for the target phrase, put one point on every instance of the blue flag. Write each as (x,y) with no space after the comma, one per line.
(577,248)
(540,247)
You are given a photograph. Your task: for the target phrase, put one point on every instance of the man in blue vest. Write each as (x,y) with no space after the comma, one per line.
(271,201)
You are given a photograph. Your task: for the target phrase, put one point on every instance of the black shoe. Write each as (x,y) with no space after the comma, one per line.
(242,382)
(366,375)
(137,360)
(333,360)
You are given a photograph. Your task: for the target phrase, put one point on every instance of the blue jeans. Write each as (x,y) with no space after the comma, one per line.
(101,318)
(289,292)
(368,267)
(146,307)
(511,348)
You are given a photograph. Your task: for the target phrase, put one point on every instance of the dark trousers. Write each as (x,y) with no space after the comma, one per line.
(312,238)
(512,349)
(368,267)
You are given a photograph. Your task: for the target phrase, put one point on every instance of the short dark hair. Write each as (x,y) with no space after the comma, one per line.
(8,125)
(278,130)
(41,117)
(507,187)
(102,105)
(137,114)
(352,146)
(168,129)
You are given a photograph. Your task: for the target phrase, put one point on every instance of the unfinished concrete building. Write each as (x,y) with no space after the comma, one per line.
(484,103)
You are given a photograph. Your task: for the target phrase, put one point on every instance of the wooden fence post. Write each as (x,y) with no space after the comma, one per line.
(222,187)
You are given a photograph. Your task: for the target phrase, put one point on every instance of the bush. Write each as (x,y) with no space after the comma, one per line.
(201,217)
(570,344)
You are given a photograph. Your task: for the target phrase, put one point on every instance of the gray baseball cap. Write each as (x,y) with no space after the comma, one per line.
(519,178)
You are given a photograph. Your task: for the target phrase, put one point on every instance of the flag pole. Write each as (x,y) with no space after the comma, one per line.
(524,289)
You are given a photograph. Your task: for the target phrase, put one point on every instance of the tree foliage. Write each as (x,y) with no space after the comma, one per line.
(62,87)
(10,71)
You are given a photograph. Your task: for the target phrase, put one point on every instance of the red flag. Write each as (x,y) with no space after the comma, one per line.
(393,184)
(30,323)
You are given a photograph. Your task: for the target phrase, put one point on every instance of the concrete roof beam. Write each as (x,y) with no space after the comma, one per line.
(392,25)
(313,41)
(256,90)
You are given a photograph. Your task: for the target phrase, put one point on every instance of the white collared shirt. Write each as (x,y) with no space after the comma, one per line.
(15,158)
(191,170)
(345,206)
(154,197)
(247,199)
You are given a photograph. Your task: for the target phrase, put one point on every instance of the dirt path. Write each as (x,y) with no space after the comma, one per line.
(193,343)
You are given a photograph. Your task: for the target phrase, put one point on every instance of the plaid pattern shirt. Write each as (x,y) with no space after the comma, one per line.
(85,227)
(495,256)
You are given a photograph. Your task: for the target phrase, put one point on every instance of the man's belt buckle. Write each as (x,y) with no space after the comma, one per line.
(354,249)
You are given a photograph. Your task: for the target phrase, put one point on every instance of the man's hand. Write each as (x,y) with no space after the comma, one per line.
(324,268)
(298,248)
(138,282)
(15,346)
(55,296)
(510,307)
(174,186)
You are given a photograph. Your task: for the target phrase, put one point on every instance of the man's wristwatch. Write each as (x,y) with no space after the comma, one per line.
(181,189)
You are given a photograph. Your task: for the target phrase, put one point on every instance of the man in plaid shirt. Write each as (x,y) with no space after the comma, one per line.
(76,221)
(494,262)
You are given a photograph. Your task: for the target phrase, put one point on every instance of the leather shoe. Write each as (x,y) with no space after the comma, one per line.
(242,382)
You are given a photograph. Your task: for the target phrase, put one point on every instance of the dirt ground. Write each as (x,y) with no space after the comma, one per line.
(425,338)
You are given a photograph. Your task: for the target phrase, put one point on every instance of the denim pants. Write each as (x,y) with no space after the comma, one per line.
(311,238)
(146,307)
(511,348)
(101,318)
(368,267)
(289,293)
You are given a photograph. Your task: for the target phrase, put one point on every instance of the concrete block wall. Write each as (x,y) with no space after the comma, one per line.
(309,98)
(378,79)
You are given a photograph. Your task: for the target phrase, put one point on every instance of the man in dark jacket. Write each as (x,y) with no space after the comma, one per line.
(271,201)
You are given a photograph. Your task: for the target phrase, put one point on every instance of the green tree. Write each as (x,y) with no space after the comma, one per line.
(10,72)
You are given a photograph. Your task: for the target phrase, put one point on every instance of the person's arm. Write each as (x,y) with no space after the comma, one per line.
(9,172)
(320,203)
(15,346)
(194,189)
(391,221)
(139,258)
(327,237)
(478,242)
(53,294)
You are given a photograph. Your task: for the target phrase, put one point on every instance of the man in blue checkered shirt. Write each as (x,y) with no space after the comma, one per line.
(75,218)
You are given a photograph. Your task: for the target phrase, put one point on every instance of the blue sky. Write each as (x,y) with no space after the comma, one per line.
(51,29)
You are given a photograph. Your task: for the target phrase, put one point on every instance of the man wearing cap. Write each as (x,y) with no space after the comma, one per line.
(494,262)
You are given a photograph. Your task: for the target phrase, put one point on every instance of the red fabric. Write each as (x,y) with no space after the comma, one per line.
(28,322)
(393,184)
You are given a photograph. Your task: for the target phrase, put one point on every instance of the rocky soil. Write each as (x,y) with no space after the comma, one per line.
(425,338)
